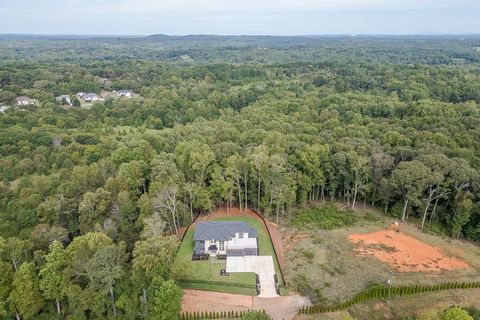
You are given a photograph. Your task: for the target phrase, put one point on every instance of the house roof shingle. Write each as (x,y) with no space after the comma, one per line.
(222,230)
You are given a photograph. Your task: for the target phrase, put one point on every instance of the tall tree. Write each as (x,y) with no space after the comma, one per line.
(94,265)
(17,251)
(6,279)
(410,177)
(105,268)
(462,211)
(166,301)
(152,256)
(439,166)
(359,166)
(26,296)
(259,159)
(53,281)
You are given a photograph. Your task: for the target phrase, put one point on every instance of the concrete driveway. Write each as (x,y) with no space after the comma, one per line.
(261,265)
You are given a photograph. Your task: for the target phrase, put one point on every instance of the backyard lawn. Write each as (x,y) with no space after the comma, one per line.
(240,283)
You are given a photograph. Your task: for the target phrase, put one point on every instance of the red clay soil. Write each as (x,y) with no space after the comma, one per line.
(272,227)
(405,253)
(181,232)
(278,307)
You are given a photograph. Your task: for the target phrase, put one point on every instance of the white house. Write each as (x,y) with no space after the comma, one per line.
(230,238)
(124,93)
(4,108)
(64,99)
(25,101)
(91,97)
(22,101)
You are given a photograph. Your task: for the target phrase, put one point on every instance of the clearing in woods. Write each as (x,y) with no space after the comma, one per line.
(334,265)
(205,275)
(405,253)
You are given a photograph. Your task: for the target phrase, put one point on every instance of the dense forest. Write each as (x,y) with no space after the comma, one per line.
(92,198)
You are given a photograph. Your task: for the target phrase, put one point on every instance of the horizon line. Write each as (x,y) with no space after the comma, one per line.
(240,34)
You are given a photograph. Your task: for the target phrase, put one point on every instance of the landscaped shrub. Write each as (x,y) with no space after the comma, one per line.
(255,315)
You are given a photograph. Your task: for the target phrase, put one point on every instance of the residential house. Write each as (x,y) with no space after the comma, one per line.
(230,238)
(23,101)
(4,108)
(91,97)
(64,100)
(124,93)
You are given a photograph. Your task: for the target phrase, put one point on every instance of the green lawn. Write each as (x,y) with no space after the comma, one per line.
(208,271)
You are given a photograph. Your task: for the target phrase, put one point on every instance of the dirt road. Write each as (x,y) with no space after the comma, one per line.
(279,308)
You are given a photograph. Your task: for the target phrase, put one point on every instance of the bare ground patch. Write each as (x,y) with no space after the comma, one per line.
(278,308)
(327,266)
(405,253)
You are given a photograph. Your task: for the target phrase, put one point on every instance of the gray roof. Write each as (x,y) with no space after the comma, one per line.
(222,230)
(90,95)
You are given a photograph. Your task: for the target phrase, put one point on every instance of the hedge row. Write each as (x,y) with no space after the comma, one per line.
(382,292)
(217,283)
(213,315)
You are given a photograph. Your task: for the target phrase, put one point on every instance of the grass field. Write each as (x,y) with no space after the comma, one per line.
(208,271)
(322,263)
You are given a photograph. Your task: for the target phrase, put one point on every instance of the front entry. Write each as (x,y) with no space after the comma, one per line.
(212,250)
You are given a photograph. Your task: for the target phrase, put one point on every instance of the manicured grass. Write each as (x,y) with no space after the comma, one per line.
(208,271)
(265,246)
(219,288)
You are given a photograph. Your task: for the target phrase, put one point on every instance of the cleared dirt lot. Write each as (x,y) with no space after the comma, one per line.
(328,266)
(405,253)
(279,308)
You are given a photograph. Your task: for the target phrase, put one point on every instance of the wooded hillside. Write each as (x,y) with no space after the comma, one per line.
(89,195)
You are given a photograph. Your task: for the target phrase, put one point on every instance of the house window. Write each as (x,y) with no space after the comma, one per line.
(222,245)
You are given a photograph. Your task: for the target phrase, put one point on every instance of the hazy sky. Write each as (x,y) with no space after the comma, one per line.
(277,17)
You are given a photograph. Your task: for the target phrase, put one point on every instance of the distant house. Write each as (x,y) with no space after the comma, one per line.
(124,93)
(64,100)
(231,238)
(4,108)
(23,101)
(91,97)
